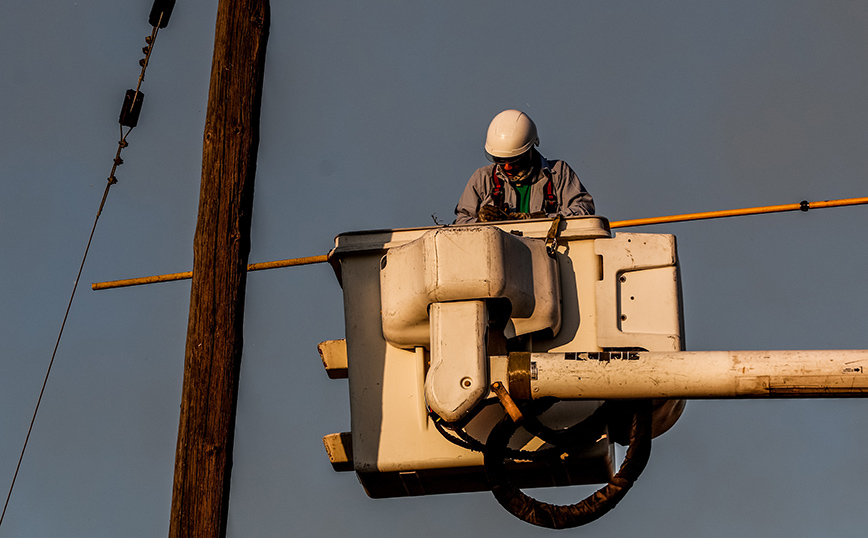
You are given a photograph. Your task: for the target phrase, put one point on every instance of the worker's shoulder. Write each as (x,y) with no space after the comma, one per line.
(483,172)
(558,167)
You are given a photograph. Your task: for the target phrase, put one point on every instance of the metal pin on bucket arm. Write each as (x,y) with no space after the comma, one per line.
(507,402)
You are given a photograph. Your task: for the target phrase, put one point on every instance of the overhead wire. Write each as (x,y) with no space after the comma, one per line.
(158,18)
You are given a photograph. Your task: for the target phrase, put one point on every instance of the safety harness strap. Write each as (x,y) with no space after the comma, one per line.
(550,201)
(550,205)
(497,193)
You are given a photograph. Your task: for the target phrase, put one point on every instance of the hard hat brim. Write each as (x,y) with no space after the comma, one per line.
(492,156)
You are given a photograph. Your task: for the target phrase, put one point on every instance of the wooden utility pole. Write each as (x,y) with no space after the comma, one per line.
(203,460)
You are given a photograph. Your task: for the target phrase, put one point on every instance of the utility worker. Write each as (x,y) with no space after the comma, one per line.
(521,183)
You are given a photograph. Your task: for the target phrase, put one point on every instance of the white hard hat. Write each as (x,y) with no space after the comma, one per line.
(510,134)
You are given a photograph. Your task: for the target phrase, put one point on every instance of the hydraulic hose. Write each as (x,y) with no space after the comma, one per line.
(553,516)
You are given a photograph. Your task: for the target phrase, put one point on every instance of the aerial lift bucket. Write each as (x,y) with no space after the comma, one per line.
(432,316)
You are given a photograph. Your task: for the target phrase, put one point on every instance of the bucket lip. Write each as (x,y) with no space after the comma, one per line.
(579,227)
(368,242)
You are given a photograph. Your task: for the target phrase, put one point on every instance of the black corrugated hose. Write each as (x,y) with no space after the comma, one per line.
(553,516)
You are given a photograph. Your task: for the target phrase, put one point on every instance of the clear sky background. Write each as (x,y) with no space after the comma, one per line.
(374,116)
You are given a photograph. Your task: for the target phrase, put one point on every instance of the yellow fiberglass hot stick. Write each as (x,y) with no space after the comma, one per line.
(189,274)
(801,206)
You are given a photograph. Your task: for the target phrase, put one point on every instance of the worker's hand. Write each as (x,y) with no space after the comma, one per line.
(489,213)
(518,216)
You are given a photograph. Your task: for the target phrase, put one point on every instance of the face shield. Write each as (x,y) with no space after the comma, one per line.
(515,169)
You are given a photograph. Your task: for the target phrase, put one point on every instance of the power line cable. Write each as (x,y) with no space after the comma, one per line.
(129,116)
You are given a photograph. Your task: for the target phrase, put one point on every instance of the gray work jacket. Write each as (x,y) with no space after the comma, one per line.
(572,197)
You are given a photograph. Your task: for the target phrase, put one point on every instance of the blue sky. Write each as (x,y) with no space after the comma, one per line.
(374,116)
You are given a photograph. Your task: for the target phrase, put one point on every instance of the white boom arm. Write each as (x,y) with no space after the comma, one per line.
(684,375)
